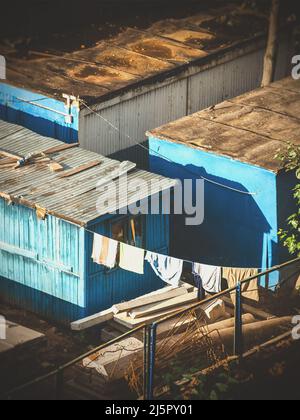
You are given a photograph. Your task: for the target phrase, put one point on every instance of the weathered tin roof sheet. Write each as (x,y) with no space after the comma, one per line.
(72,198)
(134,55)
(250,128)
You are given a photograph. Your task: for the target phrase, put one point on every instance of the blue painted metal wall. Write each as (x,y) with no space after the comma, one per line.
(41,266)
(14,107)
(46,266)
(239,230)
(105,287)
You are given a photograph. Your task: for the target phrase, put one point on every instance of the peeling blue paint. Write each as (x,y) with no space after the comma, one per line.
(50,122)
(46,266)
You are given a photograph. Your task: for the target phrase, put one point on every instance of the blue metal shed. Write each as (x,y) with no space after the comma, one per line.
(47,223)
(139,79)
(247,195)
(41,113)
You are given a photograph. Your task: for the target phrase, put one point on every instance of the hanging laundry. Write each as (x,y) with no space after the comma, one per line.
(211,277)
(132,259)
(199,285)
(105,251)
(97,247)
(167,268)
(235,275)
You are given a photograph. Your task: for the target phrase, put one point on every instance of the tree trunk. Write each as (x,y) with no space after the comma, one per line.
(271,52)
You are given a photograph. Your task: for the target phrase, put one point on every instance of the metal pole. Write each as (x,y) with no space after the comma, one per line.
(199,285)
(238,337)
(137,329)
(151,366)
(201,290)
(146,353)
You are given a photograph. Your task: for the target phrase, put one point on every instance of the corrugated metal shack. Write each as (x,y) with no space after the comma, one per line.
(46,265)
(139,79)
(249,196)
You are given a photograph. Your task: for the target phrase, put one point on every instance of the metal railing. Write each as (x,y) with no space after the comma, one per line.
(150,340)
(238,330)
(58,373)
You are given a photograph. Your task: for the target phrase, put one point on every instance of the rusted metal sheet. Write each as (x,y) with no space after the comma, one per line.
(133,56)
(250,128)
(45,253)
(74,197)
(140,79)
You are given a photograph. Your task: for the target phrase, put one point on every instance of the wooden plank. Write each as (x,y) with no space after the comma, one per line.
(92,321)
(7,160)
(176,302)
(15,250)
(10,155)
(55,167)
(8,166)
(80,169)
(148,299)
(214,311)
(130,323)
(108,315)
(60,148)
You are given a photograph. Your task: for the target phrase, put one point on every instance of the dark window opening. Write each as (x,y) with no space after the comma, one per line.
(130,231)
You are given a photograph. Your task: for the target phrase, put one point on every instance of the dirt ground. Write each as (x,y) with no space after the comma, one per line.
(62,346)
(271,374)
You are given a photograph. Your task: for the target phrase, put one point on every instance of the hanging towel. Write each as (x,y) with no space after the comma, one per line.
(97,247)
(105,251)
(211,277)
(167,268)
(132,259)
(235,275)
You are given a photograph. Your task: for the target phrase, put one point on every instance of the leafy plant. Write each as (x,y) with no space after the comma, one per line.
(290,159)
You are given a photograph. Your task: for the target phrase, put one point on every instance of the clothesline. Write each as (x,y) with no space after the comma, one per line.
(182,259)
(107,251)
(210,181)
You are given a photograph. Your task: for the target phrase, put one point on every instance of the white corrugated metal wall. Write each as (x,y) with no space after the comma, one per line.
(151,107)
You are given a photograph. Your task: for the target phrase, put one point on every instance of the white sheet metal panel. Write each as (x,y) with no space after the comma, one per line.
(133,118)
(195,91)
(225,81)
(96,134)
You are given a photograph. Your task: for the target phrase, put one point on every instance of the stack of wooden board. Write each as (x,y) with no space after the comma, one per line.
(151,307)
(117,362)
(152,298)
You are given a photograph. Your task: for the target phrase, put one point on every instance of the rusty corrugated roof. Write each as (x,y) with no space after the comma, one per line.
(250,128)
(72,198)
(135,55)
